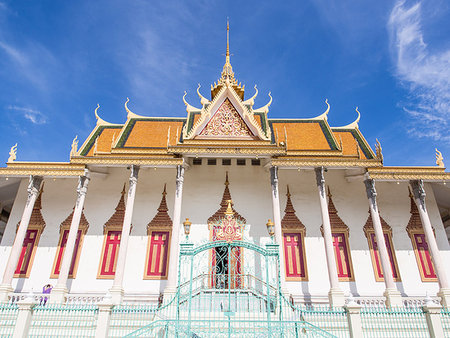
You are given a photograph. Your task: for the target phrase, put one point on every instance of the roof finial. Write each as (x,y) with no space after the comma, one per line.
(226,179)
(228,40)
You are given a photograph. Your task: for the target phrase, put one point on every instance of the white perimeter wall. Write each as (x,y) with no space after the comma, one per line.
(203,189)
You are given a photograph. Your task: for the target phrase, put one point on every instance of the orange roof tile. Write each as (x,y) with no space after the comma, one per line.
(153,134)
(349,143)
(301,135)
(105,140)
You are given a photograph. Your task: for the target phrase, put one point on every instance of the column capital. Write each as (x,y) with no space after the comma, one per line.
(34,185)
(274,179)
(134,174)
(179,179)
(371,192)
(320,180)
(83,182)
(419,192)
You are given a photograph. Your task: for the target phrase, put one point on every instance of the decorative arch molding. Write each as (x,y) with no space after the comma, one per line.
(30,243)
(342,253)
(159,232)
(293,232)
(369,231)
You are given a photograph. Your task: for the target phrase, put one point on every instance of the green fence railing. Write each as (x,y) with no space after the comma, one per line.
(394,322)
(53,320)
(8,317)
(445,320)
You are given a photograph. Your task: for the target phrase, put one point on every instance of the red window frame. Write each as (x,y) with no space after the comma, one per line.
(377,260)
(423,257)
(158,255)
(294,255)
(111,245)
(342,256)
(60,254)
(27,253)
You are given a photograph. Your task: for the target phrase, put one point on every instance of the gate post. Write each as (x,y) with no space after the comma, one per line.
(24,317)
(104,316)
(432,314)
(353,311)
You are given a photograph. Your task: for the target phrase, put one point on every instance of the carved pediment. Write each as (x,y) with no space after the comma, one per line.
(226,122)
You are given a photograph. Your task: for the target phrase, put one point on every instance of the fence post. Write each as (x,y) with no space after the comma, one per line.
(432,314)
(353,311)
(24,317)
(104,316)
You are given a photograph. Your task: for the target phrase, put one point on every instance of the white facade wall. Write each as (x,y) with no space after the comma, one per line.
(203,189)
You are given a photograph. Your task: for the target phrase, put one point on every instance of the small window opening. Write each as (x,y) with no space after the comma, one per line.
(197,161)
(256,161)
(212,161)
(240,161)
(226,161)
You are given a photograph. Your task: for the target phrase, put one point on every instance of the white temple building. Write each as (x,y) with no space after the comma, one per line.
(225,222)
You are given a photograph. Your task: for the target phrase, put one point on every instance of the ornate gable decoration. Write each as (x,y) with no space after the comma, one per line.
(226,122)
(116,220)
(226,114)
(162,218)
(415,223)
(290,219)
(36,219)
(84,224)
(219,214)
(337,224)
(368,227)
(228,229)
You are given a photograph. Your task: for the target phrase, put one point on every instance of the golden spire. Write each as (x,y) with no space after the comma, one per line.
(228,41)
(227,72)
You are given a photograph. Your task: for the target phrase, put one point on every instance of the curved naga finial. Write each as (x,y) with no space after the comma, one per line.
(203,100)
(379,150)
(439,159)
(251,101)
(130,114)
(265,108)
(74,149)
(324,115)
(189,108)
(12,153)
(352,125)
(95,112)
(100,121)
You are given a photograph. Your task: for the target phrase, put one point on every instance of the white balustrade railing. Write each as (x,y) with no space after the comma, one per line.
(134,298)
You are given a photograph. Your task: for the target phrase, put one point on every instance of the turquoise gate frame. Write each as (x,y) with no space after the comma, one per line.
(222,300)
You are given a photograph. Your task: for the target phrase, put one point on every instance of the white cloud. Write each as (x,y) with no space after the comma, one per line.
(34,116)
(31,61)
(425,73)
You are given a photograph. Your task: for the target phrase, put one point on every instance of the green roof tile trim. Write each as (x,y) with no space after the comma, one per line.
(263,122)
(360,141)
(326,131)
(130,125)
(191,120)
(97,133)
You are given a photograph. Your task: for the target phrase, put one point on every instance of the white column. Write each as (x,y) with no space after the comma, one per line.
(117,288)
(59,292)
(175,237)
(336,295)
(393,297)
(277,222)
(419,197)
(33,191)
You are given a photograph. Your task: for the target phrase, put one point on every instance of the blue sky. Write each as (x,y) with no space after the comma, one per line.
(58,59)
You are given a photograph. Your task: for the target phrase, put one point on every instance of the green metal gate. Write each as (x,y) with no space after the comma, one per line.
(229,287)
